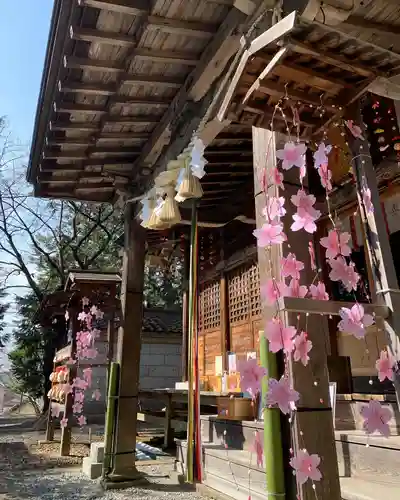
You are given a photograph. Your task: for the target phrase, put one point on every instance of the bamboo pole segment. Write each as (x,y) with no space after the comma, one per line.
(110,418)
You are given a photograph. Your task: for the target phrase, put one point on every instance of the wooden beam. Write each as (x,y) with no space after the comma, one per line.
(62,125)
(141,101)
(386,29)
(132,120)
(50,154)
(122,136)
(332,59)
(73,62)
(106,37)
(72,107)
(131,7)
(123,150)
(157,80)
(86,88)
(68,141)
(179,27)
(88,162)
(327,307)
(279,90)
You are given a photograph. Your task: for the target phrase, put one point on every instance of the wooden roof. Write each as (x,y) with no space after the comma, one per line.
(120,79)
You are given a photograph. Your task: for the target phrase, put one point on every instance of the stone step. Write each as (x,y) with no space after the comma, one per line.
(97,452)
(354,488)
(366,457)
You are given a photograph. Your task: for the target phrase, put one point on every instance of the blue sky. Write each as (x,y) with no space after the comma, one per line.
(24,28)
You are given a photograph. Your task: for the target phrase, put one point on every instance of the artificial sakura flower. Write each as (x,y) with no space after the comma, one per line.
(292,155)
(96,312)
(302,346)
(321,155)
(281,394)
(257,448)
(81,420)
(366,195)
(271,291)
(318,291)
(325,175)
(251,376)
(341,271)
(354,129)
(306,466)
(276,178)
(85,301)
(64,422)
(96,395)
(87,375)
(77,407)
(294,289)
(279,336)
(306,214)
(336,244)
(270,234)
(80,383)
(291,267)
(55,411)
(385,365)
(274,208)
(376,418)
(82,316)
(79,397)
(355,321)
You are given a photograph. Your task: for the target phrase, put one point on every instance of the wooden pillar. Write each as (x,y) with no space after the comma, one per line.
(185,310)
(128,349)
(377,239)
(224,320)
(312,426)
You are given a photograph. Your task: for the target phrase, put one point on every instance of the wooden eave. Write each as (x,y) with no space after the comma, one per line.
(120,77)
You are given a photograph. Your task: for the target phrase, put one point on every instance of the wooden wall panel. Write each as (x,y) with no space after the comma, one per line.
(242,338)
(201,355)
(212,348)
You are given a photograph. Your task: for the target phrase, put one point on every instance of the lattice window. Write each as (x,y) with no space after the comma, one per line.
(254,293)
(209,307)
(244,293)
(238,295)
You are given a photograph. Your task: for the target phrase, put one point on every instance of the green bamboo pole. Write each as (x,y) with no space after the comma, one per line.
(273,455)
(192,326)
(110,417)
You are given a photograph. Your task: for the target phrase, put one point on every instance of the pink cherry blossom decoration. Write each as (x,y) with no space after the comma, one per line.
(302,346)
(95,311)
(294,289)
(77,407)
(306,466)
(64,422)
(96,395)
(355,321)
(79,397)
(306,214)
(87,375)
(274,208)
(251,376)
(271,291)
(366,195)
(325,175)
(55,411)
(376,418)
(385,365)
(81,420)
(282,395)
(292,155)
(336,243)
(311,251)
(318,291)
(354,129)
(79,383)
(276,178)
(82,316)
(341,271)
(291,267)
(269,234)
(85,301)
(321,155)
(279,336)
(257,448)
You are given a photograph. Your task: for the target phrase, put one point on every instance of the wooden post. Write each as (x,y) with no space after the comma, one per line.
(185,310)
(224,320)
(128,349)
(377,240)
(312,427)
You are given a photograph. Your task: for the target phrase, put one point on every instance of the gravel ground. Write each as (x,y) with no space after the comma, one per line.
(27,476)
